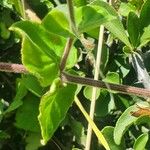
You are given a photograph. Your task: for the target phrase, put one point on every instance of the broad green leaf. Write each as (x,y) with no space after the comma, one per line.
(123,123)
(97,132)
(79,3)
(88,92)
(145,37)
(18,99)
(133,28)
(112,77)
(53,108)
(126,8)
(39,64)
(57,22)
(42,47)
(33,141)
(114,26)
(141,141)
(108,134)
(92,16)
(139,67)
(26,115)
(47,42)
(144,15)
(32,84)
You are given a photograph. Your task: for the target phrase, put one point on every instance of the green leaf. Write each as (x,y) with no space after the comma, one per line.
(133,28)
(26,115)
(33,141)
(88,92)
(57,22)
(144,15)
(141,141)
(99,15)
(39,64)
(53,108)
(79,3)
(17,101)
(31,83)
(126,8)
(42,47)
(145,37)
(19,7)
(123,123)
(46,42)
(112,77)
(114,26)
(108,134)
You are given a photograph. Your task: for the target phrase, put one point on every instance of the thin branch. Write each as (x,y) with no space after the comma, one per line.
(18,68)
(71,15)
(66,54)
(94,90)
(14,68)
(70,40)
(131,90)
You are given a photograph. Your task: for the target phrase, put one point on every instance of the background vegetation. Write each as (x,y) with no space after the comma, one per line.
(37,111)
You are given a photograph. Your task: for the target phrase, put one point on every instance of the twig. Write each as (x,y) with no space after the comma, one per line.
(66,54)
(18,68)
(100,84)
(70,40)
(71,15)
(14,68)
(94,90)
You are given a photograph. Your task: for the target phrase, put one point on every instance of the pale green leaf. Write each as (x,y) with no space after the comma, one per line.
(141,141)
(114,26)
(39,64)
(57,22)
(123,123)
(112,77)
(126,8)
(53,108)
(92,16)
(88,92)
(108,134)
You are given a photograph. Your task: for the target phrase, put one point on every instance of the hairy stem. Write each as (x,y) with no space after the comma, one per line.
(71,15)
(18,68)
(66,54)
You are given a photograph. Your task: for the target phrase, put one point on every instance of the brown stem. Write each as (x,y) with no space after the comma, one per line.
(65,54)
(18,68)
(100,84)
(14,68)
